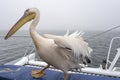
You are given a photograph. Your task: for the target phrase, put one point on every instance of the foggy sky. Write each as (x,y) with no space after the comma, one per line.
(63,14)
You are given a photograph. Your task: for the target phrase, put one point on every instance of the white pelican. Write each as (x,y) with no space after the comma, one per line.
(62,52)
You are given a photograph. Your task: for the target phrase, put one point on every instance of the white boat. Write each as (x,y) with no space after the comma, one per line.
(20,69)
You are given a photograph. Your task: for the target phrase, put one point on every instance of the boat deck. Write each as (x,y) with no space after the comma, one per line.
(13,72)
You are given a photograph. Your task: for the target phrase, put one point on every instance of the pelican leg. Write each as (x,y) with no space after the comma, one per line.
(65,76)
(39,73)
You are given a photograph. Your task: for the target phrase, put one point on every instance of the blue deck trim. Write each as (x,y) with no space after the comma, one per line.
(12,72)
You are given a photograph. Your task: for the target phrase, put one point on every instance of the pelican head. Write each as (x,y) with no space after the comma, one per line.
(29,15)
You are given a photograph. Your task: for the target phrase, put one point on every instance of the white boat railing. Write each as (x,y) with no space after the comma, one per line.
(112,63)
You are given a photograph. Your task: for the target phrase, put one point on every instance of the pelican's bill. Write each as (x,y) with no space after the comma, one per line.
(24,19)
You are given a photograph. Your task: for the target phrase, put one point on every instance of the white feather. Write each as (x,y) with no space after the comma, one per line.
(67,32)
(73,41)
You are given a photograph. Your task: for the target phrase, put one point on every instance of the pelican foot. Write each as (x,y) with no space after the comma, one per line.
(37,73)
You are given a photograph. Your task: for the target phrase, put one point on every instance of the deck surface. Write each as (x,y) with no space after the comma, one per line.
(12,72)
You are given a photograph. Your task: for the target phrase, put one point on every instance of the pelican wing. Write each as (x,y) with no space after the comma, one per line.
(74,43)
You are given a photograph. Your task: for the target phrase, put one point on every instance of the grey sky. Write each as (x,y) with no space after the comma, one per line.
(63,14)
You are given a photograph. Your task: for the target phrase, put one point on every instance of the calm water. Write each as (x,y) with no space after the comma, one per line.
(15,47)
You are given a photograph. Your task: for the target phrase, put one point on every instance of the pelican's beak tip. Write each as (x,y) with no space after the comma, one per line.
(5,38)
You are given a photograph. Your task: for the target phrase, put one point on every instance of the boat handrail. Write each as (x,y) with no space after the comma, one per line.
(112,63)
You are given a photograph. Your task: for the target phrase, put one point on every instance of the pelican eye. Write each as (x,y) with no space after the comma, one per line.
(27,10)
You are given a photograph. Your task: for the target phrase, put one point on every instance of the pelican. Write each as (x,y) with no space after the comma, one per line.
(62,52)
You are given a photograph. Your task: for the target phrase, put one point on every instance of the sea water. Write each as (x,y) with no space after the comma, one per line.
(16,46)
